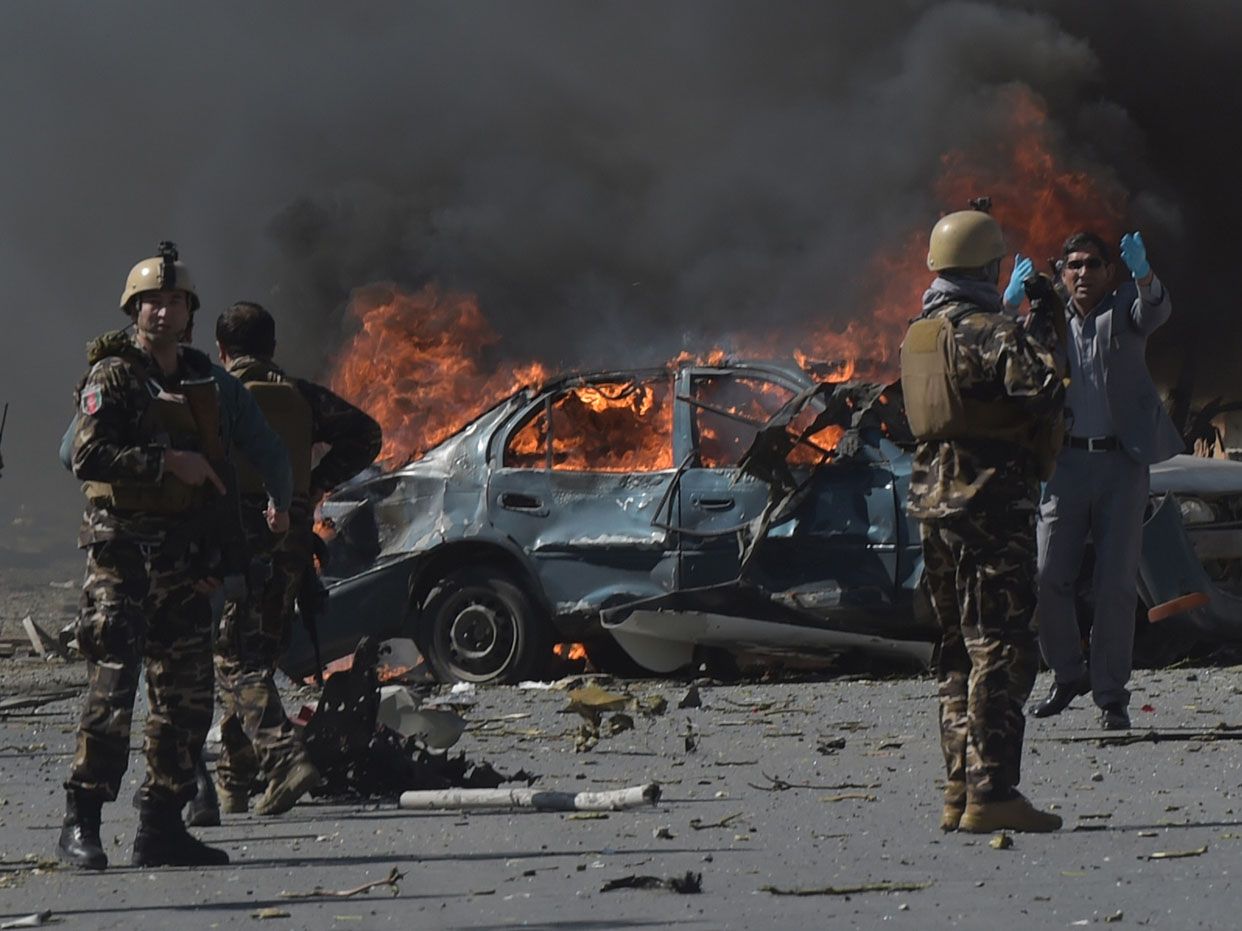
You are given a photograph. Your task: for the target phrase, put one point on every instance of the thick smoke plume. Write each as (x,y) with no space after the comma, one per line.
(616,181)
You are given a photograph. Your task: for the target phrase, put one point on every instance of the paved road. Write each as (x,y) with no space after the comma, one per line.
(867,816)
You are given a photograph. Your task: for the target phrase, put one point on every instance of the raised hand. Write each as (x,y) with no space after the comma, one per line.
(1134,254)
(1022,269)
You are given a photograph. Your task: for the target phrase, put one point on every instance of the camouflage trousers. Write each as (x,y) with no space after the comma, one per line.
(257,737)
(139,611)
(980,575)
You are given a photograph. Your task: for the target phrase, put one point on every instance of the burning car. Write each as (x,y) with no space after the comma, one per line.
(637,508)
(737,505)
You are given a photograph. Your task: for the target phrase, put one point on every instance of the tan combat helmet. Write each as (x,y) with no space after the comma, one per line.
(163,272)
(965,239)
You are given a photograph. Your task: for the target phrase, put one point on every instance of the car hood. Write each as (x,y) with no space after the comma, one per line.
(1196,476)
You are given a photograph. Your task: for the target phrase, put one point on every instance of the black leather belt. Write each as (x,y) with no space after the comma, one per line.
(1093,444)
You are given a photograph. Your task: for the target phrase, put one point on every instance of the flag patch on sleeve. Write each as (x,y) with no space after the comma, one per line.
(92,400)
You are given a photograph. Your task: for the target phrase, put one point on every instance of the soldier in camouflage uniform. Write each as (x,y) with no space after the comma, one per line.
(256,735)
(136,445)
(981,390)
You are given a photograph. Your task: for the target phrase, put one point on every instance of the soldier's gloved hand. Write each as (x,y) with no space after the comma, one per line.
(192,468)
(1023,267)
(1042,294)
(1134,252)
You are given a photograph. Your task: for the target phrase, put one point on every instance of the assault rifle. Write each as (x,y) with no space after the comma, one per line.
(225,529)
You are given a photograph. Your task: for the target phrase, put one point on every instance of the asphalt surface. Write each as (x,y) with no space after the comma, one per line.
(805,786)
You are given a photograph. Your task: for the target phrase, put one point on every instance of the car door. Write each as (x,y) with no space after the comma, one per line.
(835,553)
(721,410)
(581,473)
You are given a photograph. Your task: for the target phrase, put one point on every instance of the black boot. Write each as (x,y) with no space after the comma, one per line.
(1060,696)
(79,837)
(162,839)
(204,809)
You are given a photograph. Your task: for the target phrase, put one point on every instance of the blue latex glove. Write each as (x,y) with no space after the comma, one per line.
(1023,268)
(1134,253)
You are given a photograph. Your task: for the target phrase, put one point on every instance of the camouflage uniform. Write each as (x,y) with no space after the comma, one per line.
(977,500)
(255,732)
(138,604)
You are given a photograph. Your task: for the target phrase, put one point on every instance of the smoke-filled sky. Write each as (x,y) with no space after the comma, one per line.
(613,179)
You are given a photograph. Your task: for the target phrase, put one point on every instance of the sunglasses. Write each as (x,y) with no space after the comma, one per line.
(1076,264)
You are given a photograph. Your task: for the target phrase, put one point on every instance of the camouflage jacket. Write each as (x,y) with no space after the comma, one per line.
(110,440)
(998,357)
(354,437)
(103,459)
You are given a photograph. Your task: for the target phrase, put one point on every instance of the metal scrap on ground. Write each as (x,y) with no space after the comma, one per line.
(689,883)
(391,880)
(1176,854)
(538,799)
(850,890)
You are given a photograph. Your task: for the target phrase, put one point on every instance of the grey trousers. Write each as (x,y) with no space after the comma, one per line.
(1101,497)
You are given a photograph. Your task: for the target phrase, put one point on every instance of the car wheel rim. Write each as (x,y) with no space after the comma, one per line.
(482,638)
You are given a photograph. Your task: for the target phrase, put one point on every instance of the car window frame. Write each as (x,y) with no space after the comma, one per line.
(686,403)
(544,399)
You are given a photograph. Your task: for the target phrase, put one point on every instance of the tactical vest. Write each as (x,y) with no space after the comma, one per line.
(289,414)
(936,408)
(168,422)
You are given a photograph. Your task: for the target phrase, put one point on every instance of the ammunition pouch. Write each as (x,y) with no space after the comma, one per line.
(937,410)
(289,415)
(169,496)
(168,422)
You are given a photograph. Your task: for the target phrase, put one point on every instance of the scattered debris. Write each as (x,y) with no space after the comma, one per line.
(884,886)
(588,816)
(19,702)
(691,699)
(619,723)
(688,884)
(690,736)
(357,758)
(698,825)
(1115,916)
(391,880)
(438,728)
(780,785)
(538,799)
(1001,841)
(44,644)
(591,701)
(269,912)
(829,747)
(848,796)
(651,706)
(33,920)
(663,832)
(1176,854)
(1221,731)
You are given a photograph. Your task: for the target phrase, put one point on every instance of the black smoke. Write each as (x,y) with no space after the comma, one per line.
(616,180)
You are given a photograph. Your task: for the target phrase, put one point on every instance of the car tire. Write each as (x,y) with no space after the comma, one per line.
(478,625)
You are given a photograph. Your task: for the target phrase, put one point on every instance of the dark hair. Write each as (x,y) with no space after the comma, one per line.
(246,329)
(1084,238)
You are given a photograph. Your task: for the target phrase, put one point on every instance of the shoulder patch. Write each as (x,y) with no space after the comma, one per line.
(92,399)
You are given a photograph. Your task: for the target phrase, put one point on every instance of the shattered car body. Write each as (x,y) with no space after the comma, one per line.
(742,506)
(1192,543)
(648,509)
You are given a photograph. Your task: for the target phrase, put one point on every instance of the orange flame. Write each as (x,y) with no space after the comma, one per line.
(570,651)
(417,366)
(420,363)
